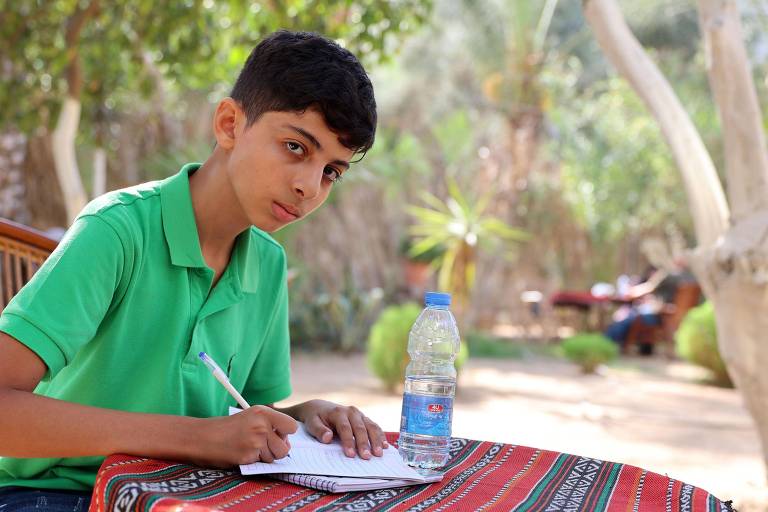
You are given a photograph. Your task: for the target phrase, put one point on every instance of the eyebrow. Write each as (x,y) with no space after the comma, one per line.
(311,138)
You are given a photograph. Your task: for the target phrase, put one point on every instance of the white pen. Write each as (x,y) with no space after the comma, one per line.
(222,377)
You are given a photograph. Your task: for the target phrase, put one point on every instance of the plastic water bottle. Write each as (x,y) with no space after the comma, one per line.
(430,385)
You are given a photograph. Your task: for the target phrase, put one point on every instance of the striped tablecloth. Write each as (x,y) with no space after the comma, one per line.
(480,476)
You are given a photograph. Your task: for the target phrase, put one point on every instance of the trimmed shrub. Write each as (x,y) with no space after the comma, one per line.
(589,350)
(486,345)
(696,341)
(388,344)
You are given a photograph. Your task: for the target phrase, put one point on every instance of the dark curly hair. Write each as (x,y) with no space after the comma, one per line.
(294,71)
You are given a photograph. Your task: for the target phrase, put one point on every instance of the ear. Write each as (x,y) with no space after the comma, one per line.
(228,122)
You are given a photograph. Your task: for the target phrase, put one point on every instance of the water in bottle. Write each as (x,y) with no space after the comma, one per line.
(430,385)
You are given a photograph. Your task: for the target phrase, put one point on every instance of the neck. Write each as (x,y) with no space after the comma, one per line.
(217,214)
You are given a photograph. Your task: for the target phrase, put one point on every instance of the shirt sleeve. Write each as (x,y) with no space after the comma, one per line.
(270,377)
(60,308)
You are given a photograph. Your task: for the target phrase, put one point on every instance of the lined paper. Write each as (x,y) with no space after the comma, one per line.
(311,457)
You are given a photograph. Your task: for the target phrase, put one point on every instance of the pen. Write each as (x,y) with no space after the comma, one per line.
(222,377)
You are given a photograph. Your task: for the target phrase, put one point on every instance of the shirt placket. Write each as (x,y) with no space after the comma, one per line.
(199,284)
(221,297)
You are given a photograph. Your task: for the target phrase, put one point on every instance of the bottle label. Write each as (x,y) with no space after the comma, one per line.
(427,415)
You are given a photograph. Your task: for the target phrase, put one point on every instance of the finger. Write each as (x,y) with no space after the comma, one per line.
(375,437)
(265,455)
(282,423)
(319,430)
(361,434)
(251,457)
(278,447)
(346,436)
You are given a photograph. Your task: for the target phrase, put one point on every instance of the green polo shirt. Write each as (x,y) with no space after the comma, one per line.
(121,309)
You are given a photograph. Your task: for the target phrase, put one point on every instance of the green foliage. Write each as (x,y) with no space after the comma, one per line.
(484,345)
(460,224)
(162,164)
(696,341)
(589,350)
(332,321)
(191,45)
(388,344)
(429,256)
(396,160)
(618,173)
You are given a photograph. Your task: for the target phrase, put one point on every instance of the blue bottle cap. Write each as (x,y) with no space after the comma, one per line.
(437,299)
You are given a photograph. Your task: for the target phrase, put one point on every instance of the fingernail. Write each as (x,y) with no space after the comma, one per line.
(366,453)
(350,452)
(377,451)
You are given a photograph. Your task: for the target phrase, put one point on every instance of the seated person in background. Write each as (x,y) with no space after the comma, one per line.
(648,299)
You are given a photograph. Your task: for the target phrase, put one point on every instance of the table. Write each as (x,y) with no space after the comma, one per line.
(585,303)
(479,476)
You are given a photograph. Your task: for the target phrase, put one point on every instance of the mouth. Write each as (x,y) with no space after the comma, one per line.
(285,212)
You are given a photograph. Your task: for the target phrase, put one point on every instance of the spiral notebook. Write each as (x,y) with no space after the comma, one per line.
(351,484)
(324,466)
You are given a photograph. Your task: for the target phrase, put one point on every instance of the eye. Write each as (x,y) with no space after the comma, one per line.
(295,148)
(333,175)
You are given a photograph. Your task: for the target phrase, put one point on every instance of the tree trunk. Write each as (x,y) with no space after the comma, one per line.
(12,190)
(730,78)
(65,159)
(731,261)
(43,194)
(99,171)
(734,273)
(63,139)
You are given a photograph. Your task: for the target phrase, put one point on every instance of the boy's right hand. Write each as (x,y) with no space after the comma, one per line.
(257,434)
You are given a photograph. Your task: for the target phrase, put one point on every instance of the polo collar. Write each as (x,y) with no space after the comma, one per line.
(182,238)
(179,219)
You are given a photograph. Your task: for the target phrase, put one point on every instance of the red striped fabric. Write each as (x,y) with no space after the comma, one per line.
(480,476)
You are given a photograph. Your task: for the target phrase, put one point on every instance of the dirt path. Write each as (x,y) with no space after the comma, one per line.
(649,413)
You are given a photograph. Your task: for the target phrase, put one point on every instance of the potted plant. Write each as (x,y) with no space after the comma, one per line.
(417,267)
(459,226)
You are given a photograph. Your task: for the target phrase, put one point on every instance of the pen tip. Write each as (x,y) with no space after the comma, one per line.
(201,355)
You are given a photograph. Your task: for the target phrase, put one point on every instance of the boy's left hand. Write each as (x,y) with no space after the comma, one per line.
(357,433)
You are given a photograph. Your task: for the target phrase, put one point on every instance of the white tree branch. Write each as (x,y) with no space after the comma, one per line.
(730,77)
(705,193)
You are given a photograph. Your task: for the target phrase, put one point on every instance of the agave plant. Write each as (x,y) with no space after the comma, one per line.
(460,226)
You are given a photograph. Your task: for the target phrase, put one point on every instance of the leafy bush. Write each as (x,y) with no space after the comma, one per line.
(485,345)
(336,321)
(696,341)
(589,350)
(388,344)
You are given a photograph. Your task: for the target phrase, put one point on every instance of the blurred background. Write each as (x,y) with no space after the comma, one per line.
(513,167)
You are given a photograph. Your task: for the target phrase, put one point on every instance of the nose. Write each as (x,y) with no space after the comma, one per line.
(307,183)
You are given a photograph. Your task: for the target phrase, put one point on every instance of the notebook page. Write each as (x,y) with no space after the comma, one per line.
(312,457)
(324,460)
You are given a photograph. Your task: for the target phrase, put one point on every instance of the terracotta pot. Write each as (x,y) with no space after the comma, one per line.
(416,273)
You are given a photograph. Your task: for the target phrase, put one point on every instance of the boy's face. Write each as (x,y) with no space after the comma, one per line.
(283,166)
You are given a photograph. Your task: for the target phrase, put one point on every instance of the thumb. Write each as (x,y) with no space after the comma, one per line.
(319,430)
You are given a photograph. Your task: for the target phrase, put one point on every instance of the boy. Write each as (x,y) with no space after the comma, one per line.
(108,331)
